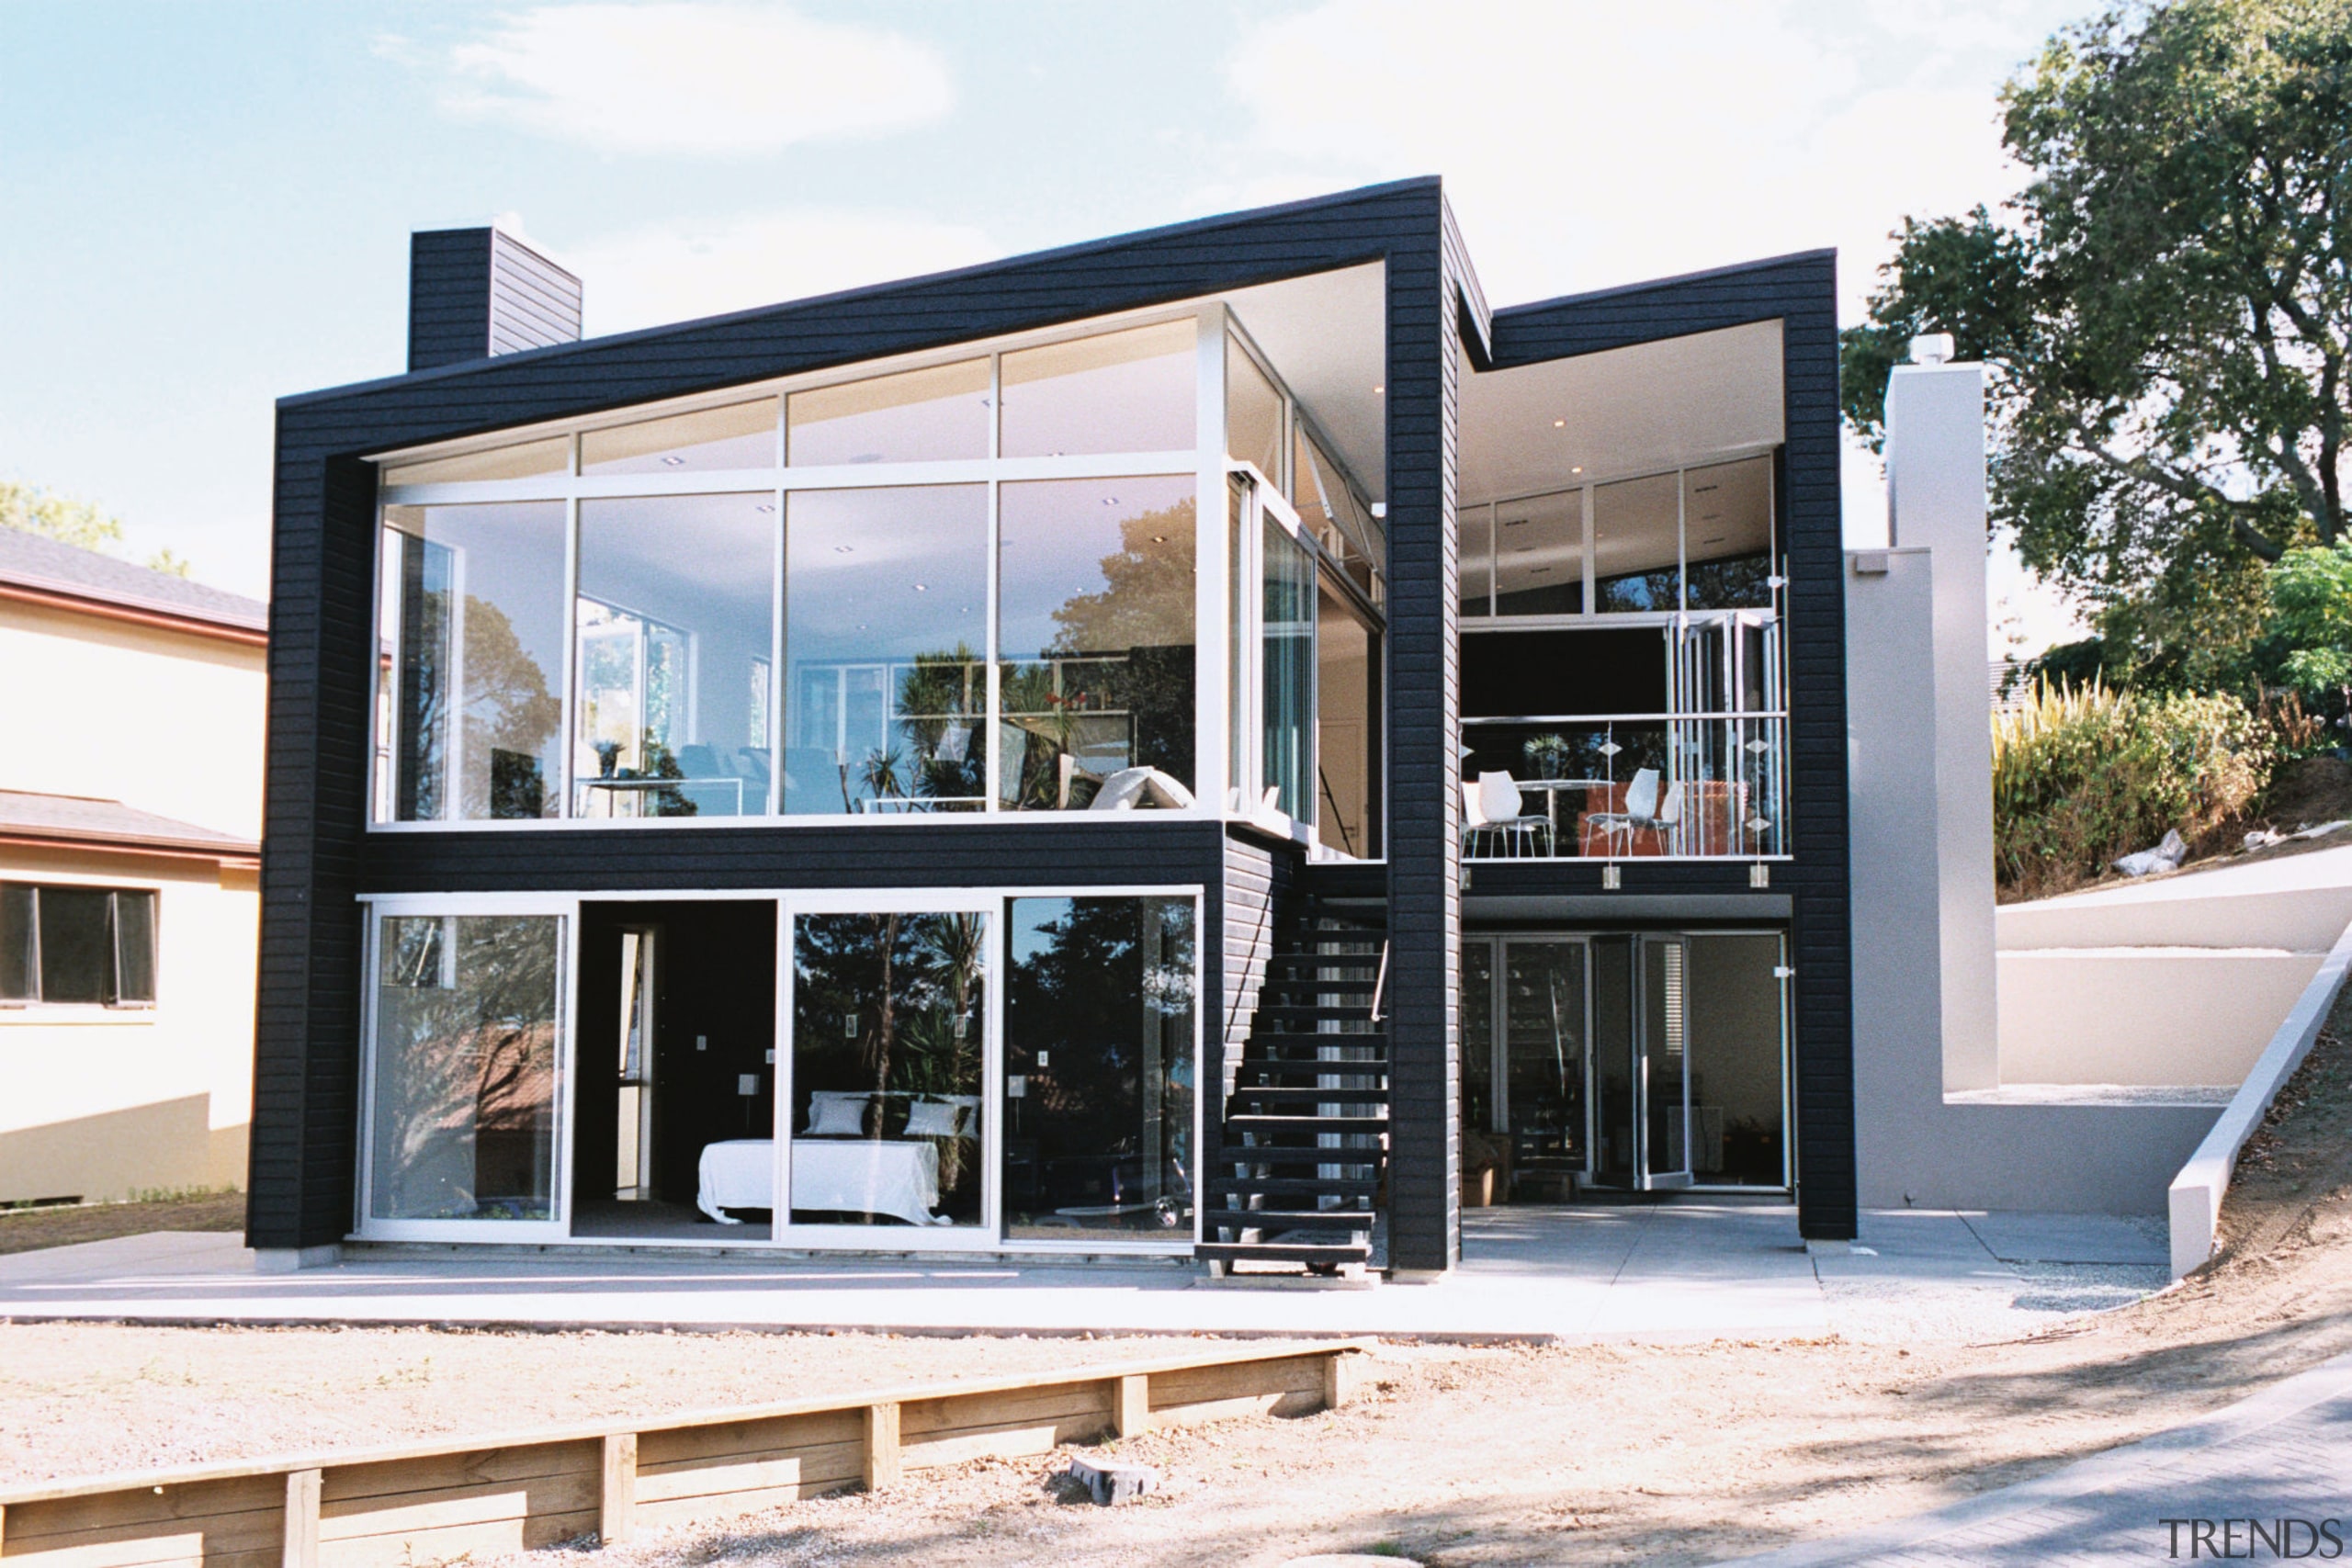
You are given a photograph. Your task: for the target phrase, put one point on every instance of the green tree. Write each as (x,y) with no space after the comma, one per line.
(2310,621)
(30,510)
(2167,310)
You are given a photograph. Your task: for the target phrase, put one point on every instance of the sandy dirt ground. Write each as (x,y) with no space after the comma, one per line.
(1452,1455)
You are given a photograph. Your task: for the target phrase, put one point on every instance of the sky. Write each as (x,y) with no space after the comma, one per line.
(206,205)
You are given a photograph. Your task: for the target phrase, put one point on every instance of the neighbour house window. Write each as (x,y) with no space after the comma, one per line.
(88,945)
(676,623)
(467,1053)
(1096,616)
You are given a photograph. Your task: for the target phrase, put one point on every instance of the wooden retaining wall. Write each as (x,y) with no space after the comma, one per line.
(422,1505)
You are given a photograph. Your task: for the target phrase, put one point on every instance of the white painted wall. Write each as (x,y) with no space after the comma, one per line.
(2143,1016)
(161,720)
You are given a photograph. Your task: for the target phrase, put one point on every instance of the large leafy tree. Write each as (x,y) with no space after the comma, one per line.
(2167,308)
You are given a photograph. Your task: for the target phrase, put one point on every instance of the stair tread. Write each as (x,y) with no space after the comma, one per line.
(1283,1252)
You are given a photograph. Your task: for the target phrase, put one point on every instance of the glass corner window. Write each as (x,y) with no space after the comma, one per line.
(936,415)
(473,612)
(465,1068)
(1254,413)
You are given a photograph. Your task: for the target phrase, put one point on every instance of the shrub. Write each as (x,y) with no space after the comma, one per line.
(2081,774)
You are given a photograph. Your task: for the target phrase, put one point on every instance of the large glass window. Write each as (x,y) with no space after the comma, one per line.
(1095,629)
(1347,651)
(1636,547)
(889,1018)
(917,416)
(1539,555)
(1253,414)
(886,632)
(1737,1103)
(1099,1069)
(1286,659)
(741,436)
(524,461)
(1127,391)
(476,600)
(66,944)
(465,1063)
(676,625)
(1728,530)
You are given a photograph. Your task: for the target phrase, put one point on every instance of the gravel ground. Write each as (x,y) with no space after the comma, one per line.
(1453,1455)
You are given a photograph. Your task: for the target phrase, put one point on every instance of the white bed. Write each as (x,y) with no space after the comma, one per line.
(854,1176)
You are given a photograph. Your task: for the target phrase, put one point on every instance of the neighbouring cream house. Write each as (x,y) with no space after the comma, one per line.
(130,792)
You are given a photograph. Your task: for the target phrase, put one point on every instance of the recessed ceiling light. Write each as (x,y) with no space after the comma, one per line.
(1560,424)
(1159,538)
(922,588)
(674,461)
(841,550)
(1578,468)
(1378,391)
(767,506)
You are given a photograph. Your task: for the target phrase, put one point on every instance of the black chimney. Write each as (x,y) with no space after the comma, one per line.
(476,292)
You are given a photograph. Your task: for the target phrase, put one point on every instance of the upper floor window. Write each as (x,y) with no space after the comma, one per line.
(613,625)
(1694,539)
(67,945)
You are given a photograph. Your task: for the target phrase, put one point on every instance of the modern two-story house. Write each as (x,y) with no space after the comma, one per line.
(1214,742)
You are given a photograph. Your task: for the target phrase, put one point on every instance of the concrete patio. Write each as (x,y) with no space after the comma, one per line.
(1690,1269)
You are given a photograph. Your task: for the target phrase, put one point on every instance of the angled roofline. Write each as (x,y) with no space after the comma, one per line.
(1008,266)
(1652,285)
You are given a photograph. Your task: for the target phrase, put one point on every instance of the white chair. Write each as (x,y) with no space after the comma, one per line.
(1643,810)
(1498,810)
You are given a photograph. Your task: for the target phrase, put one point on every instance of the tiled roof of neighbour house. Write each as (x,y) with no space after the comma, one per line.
(86,822)
(33,567)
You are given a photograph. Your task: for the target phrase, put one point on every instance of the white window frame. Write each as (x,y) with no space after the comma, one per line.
(986,1239)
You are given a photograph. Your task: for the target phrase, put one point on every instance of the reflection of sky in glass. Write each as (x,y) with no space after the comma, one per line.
(879,573)
(1056,533)
(1126,391)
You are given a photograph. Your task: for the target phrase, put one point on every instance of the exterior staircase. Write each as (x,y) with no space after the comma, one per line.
(1303,1169)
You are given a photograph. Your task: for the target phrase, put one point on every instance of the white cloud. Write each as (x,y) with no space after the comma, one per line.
(697,77)
(646,276)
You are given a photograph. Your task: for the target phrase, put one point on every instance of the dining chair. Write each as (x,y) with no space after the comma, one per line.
(1641,808)
(1499,802)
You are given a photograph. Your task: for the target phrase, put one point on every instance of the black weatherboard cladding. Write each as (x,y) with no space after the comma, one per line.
(477,292)
(1801,291)
(321,655)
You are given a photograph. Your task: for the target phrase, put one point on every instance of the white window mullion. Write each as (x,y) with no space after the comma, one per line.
(569,706)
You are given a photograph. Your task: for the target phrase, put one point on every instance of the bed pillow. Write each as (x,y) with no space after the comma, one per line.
(933,1119)
(837,1116)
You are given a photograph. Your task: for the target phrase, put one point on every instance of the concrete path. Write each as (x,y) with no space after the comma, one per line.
(2283,1455)
(1690,1269)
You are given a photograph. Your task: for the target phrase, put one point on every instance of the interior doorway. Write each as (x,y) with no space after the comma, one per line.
(1623,1061)
(675,1053)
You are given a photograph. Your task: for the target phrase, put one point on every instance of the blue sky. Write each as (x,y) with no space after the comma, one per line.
(206,205)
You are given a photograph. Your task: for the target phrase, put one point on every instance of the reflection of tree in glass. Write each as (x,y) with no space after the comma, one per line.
(1123,652)
(890,1004)
(937,695)
(466,1072)
(1084,997)
(508,709)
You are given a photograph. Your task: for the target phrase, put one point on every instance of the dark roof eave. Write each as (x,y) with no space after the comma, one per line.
(1653,284)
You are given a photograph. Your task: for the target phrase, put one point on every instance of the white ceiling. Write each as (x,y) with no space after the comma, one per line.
(1327,335)
(1628,410)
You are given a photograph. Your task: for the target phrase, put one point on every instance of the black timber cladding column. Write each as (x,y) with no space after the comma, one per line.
(1822,930)
(306,1031)
(1424,725)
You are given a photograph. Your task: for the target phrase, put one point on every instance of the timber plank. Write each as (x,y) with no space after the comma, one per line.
(415,1549)
(150,1542)
(458,1507)
(117,1510)
(660,1451)
(826,1464)
(975,1412)
(464,1467)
